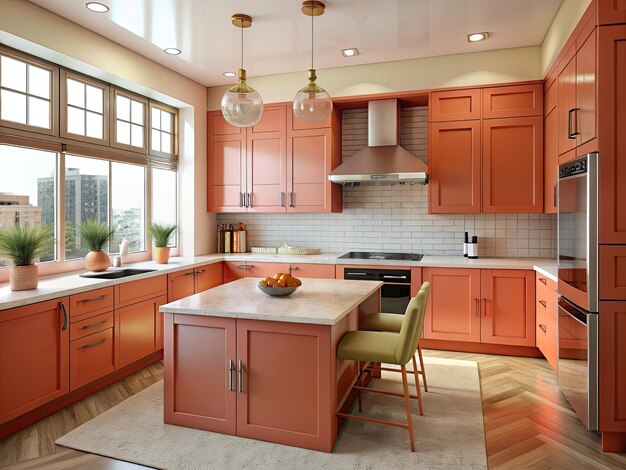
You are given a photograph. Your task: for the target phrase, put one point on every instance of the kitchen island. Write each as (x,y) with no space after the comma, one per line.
(240,362)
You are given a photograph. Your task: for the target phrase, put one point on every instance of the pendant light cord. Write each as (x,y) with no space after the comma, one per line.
(312,9)
(242,46)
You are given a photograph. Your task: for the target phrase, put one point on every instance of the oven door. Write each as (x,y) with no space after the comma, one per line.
(578,231)
(395,298)
(578,361)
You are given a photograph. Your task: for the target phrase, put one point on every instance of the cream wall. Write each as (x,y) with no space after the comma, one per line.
(33,29)
(560,30)
(505,65)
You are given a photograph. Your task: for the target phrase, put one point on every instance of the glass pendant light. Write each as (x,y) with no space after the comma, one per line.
(242,105)
(312,103)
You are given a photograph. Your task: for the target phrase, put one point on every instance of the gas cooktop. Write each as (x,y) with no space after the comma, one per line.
(382,256)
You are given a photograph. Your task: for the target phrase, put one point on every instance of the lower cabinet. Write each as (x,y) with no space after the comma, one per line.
(481,306)
(34,362)
(547,319)
(91,357)
(191,281)
(237,270)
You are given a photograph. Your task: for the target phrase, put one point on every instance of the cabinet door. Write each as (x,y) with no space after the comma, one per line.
(285,392)
(567,106)
(267,160)
(234,270)
(34,356)
(513,165)
(133,292)
(612,347)
(208,277)
(91,303)
(585,125)
(135,330)
(550,162)
(546,319)
(320,271)
(454,167)
(612,272)
(513,101)
(508,307)
(308,166)
(611,12)
(453,317)
(226,165)
(457,105)
(263,270)
(611,135)
(199,390)
(158,323)
(180,284)
(91,357)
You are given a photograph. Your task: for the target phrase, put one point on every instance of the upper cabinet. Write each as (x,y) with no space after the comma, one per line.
(488,155)
(612,12)
(278,165)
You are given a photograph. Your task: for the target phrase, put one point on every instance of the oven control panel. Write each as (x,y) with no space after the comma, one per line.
(573,168)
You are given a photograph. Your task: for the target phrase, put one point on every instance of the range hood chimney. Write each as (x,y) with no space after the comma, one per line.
(383,161)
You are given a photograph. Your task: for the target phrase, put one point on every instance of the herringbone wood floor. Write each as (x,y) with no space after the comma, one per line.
(528,424)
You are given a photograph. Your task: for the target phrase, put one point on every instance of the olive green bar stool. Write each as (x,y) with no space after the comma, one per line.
(388,348)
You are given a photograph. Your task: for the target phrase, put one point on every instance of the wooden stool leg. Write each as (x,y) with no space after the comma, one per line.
(358,382)
(417,387)
(407,402)
(422,368)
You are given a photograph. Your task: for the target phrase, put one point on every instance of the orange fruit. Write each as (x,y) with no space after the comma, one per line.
(281,283)
(297,282)
(263,283)
(278,275)
(285,276)
(271,282)
(267,279)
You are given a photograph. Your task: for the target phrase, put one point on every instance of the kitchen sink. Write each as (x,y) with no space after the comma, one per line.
(116,273)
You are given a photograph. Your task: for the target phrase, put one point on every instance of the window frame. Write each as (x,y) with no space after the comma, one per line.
(54,95)
(106,109)
(115,92)
(170,156)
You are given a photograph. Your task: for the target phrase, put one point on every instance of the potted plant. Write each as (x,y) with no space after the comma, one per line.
(23,244)
(95,236)
(160,234)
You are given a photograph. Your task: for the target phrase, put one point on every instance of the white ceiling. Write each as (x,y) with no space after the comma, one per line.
(280,38)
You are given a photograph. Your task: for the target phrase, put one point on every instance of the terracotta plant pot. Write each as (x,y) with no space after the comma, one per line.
(24,277)
(161,255)
(97,261)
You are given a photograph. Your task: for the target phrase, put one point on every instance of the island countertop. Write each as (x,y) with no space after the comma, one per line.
(317,301)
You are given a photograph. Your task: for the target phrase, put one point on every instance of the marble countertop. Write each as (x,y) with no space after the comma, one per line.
(317,301)
(548,270)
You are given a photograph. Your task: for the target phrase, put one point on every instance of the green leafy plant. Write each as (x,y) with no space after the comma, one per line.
(25,243)
(161,234)
(95,235)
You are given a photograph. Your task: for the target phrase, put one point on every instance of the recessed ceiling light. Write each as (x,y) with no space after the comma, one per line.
(353,51)
(97,7)
(229,74)
(477,37)
(172,51)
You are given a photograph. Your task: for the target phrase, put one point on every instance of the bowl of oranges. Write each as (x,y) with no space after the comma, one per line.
(279,285)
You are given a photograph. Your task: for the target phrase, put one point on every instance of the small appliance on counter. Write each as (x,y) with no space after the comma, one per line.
(231,239)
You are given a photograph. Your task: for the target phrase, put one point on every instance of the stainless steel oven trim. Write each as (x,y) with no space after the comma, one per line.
(592,228)
(592,418)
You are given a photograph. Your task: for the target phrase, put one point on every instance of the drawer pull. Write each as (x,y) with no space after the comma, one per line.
(543,303)
(543,328)
(231,369)
(244,266)
(93,325)
(93,299)
(543,281)
(240,375)
(189,274)
(293,268)
(477,305)
(94,344)
(484,306)
(64,327)
(200,271)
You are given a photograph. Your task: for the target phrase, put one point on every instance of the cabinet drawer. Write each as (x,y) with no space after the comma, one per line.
(136,291)
(91,325)
(91,303)
(546,288)
(546,329)
(322,271)
(513,101)
(457,105)
(91,357)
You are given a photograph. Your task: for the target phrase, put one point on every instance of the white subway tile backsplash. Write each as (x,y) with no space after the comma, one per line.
(395,218)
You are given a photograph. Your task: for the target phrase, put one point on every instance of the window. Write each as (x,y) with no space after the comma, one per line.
(86,198)
(164,194)
(130,121)
(26,96)
(162,130)
(84,101)
(128,215)
(28,197)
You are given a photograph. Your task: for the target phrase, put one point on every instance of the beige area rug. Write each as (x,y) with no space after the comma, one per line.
(449,436)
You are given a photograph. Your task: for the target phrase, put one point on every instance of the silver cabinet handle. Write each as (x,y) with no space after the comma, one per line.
(293,268)
(357,274)
(291,199)
(393,277)
(94,299)
(484,306)
(245,266)
(282,199)
(245,199)
(240,199)
(250,199)
(240,375)
(200,271)
(231,369)
(96,343)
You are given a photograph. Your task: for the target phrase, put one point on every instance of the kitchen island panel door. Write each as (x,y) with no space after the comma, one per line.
(284,387)
(200,390)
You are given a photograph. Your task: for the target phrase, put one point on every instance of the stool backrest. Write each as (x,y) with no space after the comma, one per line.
(412,325)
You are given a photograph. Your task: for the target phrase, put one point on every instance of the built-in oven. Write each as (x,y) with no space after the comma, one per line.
(578,231)
(395,293)
(578,361)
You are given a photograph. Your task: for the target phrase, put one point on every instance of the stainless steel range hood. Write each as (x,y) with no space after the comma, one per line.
(383,161)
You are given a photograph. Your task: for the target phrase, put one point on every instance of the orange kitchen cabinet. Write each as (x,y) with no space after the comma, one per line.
(508,307)
(546,319)
(612,272)
(208,277)
(91,357)
(132,292)
(550,161)
(611,136)
(567,104)
(455,105)
(91,325)
(234,270)
(34,356)
(513,101)
(201,375)
(612,331)
(512,165)
(90,303)
(263,270)
(416,281)
(138,330)
(611,12)
(180,284)
(304,270)
(454,317)
(454,167)
(551,98)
